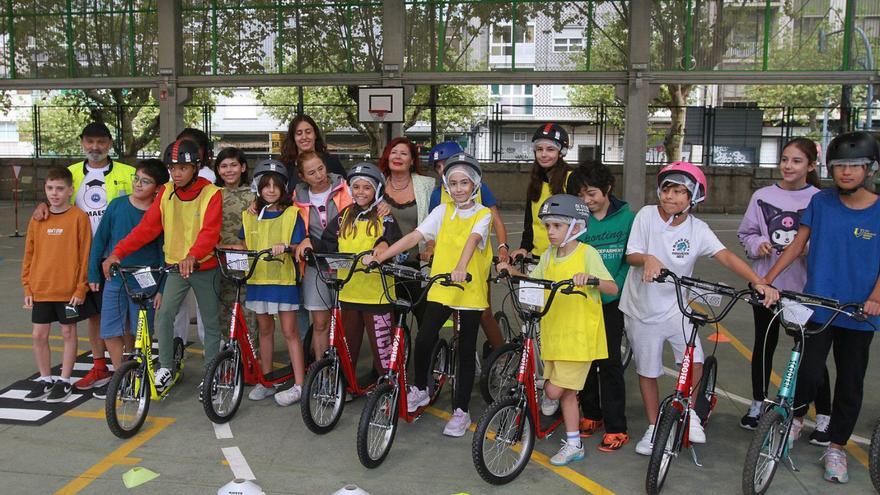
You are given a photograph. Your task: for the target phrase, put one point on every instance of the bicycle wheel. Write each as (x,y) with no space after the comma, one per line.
(706,391)
(498,377)
(128,399)
(323,396)
(179,349)
(874,457)
(439,368)
(222,387)
(626,352)
(765,452)
(503,441)
(377,426)
(504,323)
(666,447)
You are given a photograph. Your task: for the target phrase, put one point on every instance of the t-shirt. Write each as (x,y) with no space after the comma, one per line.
(92,195)
(319,202)
(430,226)
(843,262)
(486,197)
(282,294)
(121,218)
(209,174)
(677,248)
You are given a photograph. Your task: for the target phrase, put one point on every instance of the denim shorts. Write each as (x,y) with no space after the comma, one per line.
(117,309)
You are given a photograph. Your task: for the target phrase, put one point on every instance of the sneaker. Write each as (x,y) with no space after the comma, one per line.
(416,398)
(750,420)
(162,379)
(613,441)
(696,434)
(645,445)
(289,396)
(794,434)
(94,378)
(821,436)
(549,406)
(567,454)
(835,465)
(40,391)
(99,393)
(487,349)
(590,426)
(60,391)
(458,424)
(259,392)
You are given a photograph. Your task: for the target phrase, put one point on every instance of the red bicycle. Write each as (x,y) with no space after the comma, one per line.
(323,398)
(387,402)
(237,363)
(505,434)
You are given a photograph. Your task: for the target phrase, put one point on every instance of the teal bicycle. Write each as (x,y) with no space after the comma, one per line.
(770,443)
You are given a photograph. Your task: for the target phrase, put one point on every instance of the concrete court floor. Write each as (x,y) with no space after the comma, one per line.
(76,453)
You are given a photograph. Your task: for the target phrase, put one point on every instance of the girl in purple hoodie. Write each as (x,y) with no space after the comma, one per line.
(768,227)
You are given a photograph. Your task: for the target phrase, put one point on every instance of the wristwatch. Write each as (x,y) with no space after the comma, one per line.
(504,245)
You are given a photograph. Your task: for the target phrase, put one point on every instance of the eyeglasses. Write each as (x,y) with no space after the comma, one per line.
(142,181)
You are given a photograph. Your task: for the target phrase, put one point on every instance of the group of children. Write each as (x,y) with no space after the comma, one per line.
(572,223)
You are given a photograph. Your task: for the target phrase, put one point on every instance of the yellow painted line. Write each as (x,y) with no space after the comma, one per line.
(29,347)
(120,456)
(567,473)
(9,335)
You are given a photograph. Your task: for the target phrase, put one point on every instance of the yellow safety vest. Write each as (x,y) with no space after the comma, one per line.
(363,288)
(574,328)
(265,233)
(539,232)
(451,239)
(446,199)
(182,221)
(117,180)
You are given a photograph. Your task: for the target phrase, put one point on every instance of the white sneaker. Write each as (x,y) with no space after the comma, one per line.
(259,392)
(162,378)
(567,453)
(289,396)
(416,398)
(696,434)
(645,445)
(797,424)
(458,424)
(549,406)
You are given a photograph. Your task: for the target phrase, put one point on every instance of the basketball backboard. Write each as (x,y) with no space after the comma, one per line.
(380,104)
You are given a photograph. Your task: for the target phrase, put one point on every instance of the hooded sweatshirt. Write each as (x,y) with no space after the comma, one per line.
(609,237)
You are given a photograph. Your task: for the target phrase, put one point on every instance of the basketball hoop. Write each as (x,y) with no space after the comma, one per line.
(379,115)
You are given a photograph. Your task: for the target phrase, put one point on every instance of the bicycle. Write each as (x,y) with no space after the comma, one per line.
(323,398)
(874,457)
(508,428)
(388,401)
(237,363)
(133,385)
(770,443)
(673,422)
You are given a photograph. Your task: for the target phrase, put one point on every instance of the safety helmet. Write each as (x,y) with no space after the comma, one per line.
(854,148)
(475,172)
(686,174)
(555,133)
(369,171)
(566,206)
(442,151)
(181,151)
(270,165)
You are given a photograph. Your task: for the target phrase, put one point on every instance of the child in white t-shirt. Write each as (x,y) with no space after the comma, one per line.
(666,236)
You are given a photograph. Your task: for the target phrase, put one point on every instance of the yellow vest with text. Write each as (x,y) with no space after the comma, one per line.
(182,221)
(363,288)
(451,238)
(539,232)
(574,328)
(117,181)
(265,233)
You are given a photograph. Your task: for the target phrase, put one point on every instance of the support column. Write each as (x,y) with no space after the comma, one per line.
(393,42)
(168,94)
(638,94)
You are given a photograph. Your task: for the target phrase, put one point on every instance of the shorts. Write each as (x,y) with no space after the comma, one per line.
(569,375)
(117,309)
(51,311)
(269,308)
(646,340)
(316,294)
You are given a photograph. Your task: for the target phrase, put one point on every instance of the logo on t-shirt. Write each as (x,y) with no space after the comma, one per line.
(781,225)
(55,231)
(863,234)
(681,248)
(95,196)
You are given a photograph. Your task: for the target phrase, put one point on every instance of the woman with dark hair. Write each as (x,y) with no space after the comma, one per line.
(303,135)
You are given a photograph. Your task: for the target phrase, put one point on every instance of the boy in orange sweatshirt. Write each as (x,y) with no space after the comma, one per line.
(53,275)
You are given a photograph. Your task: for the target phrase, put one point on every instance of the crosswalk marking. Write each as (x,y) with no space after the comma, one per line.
(7,413)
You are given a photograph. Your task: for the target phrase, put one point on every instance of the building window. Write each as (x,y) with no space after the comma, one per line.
(520,137)
(517,99)
(502,38)
(560,94)
(571,39)
(8,132)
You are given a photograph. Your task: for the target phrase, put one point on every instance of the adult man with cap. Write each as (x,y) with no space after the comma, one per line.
(96,181)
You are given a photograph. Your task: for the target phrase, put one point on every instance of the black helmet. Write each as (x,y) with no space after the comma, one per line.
(555,133)
(181,151)
(565,205)
(854,148)
(270,165)
(370,171)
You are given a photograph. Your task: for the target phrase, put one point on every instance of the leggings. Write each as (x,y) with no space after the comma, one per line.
(468,325)
(604,393)
(378,329)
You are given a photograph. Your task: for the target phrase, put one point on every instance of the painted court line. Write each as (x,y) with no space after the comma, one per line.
(237,463)
(23,414)
(222,430)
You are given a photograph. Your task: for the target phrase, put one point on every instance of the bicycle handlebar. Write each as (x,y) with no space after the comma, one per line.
(749,295)
(117,269)
(313,258)
(264,254)
(812,300)
(566,286)
(405,272)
